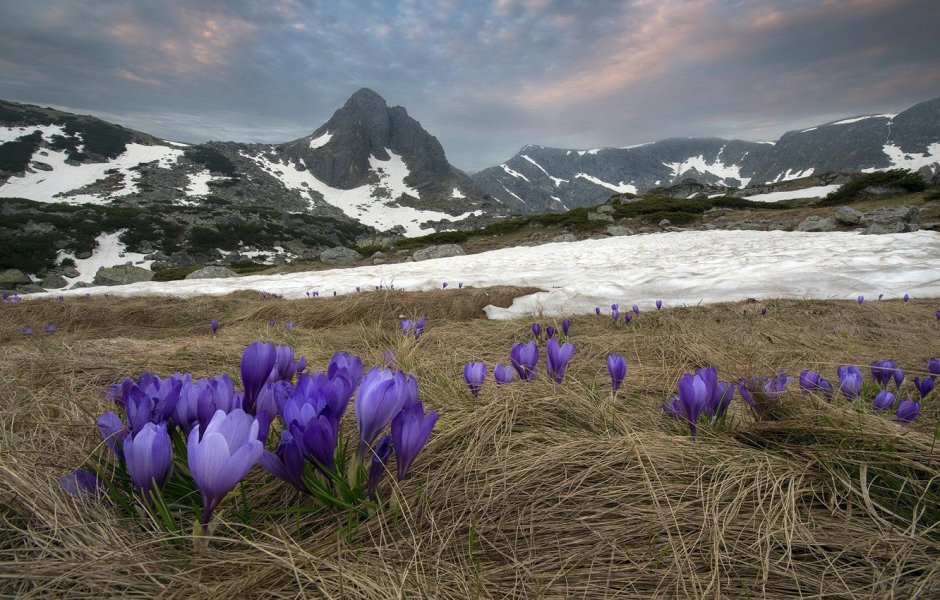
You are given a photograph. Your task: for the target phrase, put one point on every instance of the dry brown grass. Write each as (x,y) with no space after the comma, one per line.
(530,491)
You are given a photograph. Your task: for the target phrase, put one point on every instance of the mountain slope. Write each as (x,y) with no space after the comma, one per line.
(370,163)
(537,178)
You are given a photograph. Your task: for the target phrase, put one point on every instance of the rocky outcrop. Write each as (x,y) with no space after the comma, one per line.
(122,275)
(565,238)
(440,251)
(816,223)
(213,272)
(849,216)
(891,219)
(340,255)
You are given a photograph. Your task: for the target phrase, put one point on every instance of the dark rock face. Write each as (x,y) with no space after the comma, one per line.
(540,179)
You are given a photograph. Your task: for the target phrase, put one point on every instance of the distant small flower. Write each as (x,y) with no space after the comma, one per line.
(524,358)
(615,312)
(933,366)
(81,482)
(389,357)
(536,330)
(810,381)
(884,400)
(597,311)
(908,410)
(214,326)
(27,331)
(861,299)
(880,296)
(358,288)
(659,305)
(549,332)
(60,298)
(850,381)
(459,285)
(474,373)
(51,328)
(906,297)
(503,374)
(617,367)
(883,371)
(763,311)
(334,292)
(924,386)
(636,309)
(289,325)
(565,326)
(628,318)
(419,327)
(937,314)
(444,286)
(558,357)
(271,323)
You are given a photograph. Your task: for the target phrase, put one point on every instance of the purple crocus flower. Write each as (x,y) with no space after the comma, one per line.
(81,481)
(383,449)
(474,373)
(636,309)
(113,432)
(536,330)
(419,327)
(628,318)
(271,323)
(349,365)
(906,297)
(597,311)
(285,366)
(721,398)
(214,326)
(617,367)
(673,408)
(558,357)
(459,285)
(884,400)
(693,396)
(406,326)
(861,299)
(615,313)
(444,286)
(565,326)
(933,367)
(776,385)
(908,410)
(148,455)
(549,332)
(524,358)
(924,386)
(411,429)
(389,357)
(381,396)
(811,381)
(503,374)
(880,296)
(358,288)
(27,331)
(221,456)
(747,395)
(51,328)
(289,325)
(150,399)
(60,298)
(258,361)
(937,314)
(763,311)
(659,305)
(850,381)
(883,371)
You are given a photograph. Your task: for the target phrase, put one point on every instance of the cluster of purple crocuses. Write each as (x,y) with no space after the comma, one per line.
(702,392)
(627,316)
(221,433)
(413,328)
(49,328)
(524,358)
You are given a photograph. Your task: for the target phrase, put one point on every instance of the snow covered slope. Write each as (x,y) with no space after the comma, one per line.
(679,268)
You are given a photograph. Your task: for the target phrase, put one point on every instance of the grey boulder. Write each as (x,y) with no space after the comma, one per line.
(121,275)
(213,272)
(441,251)
(816,223)
(340,255)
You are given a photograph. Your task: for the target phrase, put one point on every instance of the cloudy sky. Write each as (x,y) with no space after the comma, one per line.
(484,77)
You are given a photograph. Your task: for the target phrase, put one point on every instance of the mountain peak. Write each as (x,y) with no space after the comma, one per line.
(368,99)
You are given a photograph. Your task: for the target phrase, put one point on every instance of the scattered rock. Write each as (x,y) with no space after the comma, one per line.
(296,247)
(13,277)
(665,223)
(213,272)
(782,225)
(849,216)
(69,272)
(441,251)
(745,226)
(159,265)
(30,288)
(816,223)
(83,254)
(618,230)
(121,275)
(565,237)
(606,208)
(378,254)
(54,282)
(599,216)
(891,219)
(340,255)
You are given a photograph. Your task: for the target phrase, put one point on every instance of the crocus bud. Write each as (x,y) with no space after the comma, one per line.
(617,367)
(474,373)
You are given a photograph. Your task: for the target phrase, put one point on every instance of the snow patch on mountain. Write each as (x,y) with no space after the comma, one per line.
(909,160)
(857,119)
(555,180)
(55,185)
(323,140)
(717,168)
(791,175)
(516,174)
(199,183)
(369,204)
(457,194)
(810,192)
(10,134)
(109,251)
(620,188)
